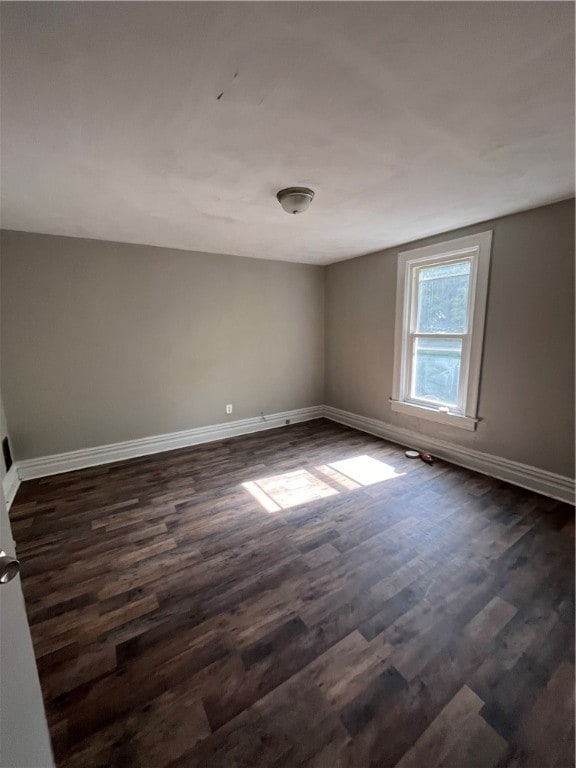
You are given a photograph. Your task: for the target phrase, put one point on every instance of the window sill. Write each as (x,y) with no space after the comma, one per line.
(431,414)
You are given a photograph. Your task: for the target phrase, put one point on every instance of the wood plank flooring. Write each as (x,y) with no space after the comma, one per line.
(301,597)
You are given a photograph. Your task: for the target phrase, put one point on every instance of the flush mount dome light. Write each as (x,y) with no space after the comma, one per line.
(295,199)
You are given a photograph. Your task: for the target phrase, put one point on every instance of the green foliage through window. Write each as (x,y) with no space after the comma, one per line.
(442,309)
(443,298)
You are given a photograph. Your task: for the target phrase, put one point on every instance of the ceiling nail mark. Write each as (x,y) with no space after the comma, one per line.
(235,75)
(219,97)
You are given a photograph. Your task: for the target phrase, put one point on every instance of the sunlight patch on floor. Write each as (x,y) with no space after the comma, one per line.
(288,490)
(365,470)
(300,486)
(338,477)
(263,498)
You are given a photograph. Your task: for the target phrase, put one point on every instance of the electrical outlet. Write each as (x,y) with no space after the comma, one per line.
(229,408)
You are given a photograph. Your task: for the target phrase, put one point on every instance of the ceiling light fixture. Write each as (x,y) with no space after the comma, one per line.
(295,199)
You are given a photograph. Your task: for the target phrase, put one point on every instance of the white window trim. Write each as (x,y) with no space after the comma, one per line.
(478,247)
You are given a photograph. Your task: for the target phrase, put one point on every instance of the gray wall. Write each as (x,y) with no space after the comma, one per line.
(104,342)
(527,384)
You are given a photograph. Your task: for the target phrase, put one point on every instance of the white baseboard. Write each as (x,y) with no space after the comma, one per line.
(548,483)
(10,484)
(105,454)
(534,479)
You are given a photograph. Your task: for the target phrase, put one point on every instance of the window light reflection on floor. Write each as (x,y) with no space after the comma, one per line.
(301,486)
(365,470)
(288,490)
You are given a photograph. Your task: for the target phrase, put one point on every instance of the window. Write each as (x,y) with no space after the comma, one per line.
(440,310)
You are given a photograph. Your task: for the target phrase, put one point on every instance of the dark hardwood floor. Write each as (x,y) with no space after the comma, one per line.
(354,608)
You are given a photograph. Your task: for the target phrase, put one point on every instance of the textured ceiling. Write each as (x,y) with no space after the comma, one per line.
(174,124)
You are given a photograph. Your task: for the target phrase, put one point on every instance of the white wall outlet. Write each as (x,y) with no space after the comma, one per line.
(229,408)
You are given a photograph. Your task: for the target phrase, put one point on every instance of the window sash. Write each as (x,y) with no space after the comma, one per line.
(415,287)
(477,248)
(458,407)
(411,334)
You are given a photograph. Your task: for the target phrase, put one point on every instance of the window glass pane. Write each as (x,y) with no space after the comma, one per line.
(443,298)
(436,370)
